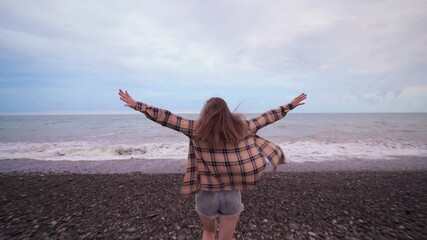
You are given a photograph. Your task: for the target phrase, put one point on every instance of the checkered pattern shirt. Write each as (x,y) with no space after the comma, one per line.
(231,167)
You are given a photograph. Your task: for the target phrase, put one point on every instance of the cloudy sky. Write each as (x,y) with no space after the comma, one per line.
(348,56)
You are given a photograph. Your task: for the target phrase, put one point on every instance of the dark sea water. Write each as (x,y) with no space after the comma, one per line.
(302,136)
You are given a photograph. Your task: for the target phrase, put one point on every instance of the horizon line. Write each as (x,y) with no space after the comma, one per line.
(71,113)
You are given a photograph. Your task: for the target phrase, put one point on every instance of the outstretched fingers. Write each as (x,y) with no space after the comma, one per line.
(125,97)
(302,97)
(298,100)
(122,94)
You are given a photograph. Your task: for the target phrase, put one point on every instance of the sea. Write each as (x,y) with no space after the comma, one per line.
(302,136)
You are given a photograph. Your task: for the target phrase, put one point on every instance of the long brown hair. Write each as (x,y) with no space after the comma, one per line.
(217,125)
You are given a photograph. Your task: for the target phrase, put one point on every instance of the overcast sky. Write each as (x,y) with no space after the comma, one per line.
(348,56)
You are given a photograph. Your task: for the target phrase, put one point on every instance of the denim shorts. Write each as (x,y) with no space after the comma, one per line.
(213,204)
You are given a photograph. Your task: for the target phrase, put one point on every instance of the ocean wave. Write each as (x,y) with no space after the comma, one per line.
(295,151)
(327,150)
(80,150)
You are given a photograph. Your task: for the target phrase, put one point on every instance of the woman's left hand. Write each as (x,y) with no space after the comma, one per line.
(125,97)
(298,100)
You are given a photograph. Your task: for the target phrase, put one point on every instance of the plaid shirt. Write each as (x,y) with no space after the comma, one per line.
(232,167)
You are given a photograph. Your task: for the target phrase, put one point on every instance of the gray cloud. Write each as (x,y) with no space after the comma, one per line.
(364,51)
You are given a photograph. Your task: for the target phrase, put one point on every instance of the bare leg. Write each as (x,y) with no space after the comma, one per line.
(209,227)
(227,227)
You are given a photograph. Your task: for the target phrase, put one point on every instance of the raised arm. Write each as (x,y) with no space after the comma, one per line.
(161,116)
(276,114)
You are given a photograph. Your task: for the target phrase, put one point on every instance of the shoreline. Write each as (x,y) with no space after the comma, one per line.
(409,163)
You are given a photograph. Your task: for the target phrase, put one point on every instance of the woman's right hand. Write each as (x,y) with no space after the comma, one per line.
(125,97)
(298,100)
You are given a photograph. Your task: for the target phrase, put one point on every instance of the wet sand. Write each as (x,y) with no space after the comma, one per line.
(178,165)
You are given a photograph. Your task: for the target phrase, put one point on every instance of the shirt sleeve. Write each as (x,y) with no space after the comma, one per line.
(268,117)
(166,118)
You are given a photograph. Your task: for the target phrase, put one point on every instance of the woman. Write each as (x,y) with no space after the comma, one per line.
(225,156)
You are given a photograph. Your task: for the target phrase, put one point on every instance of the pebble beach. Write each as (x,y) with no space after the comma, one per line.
(296,202)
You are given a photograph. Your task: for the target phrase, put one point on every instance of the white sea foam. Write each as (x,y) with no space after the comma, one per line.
(298,151)
(303,137)
(79,150)
(324,150)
